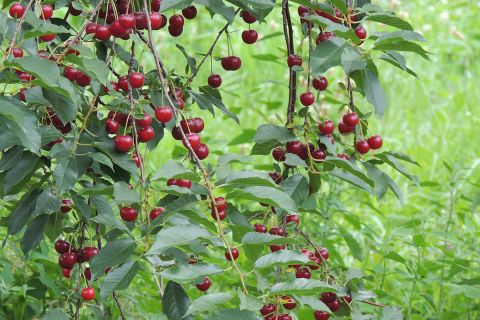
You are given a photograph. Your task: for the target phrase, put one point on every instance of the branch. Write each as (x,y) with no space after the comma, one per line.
(292,82)
(80,273)
(17,29)
(122,315)
(318,251)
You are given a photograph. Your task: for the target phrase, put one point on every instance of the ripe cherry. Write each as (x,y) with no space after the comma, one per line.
(174,31)
(221,203)
(318,155)
(156,21)
(294,147)
(320,83)
(117,30)
(343,156)
(141,22)
(193,139)
(202,151)
(302,10)
(102,33)
(73,11)
(91,28)
(137,159)
(17,52)
(284,316)
(180,104)
(260,228)
(214,81)
(145,122)
(321,315)
(361,33)
(276,177)
(362,146)
(323,253)
(145,134)
(62,246)
(155,5)
(288,303)
(344,129)
(292,218)
(66,205)
(351,119)
(47,12)
(326,127)
(88,274)
(303,273)
(307,99)
(123,83)
(204,285)
(328,297)
(279,154)
(198,125)
(334,306)
(83,80)
(176,21)
(164,114)
(156,212)
(136,79)
(128,214)
(67,260)
(276,247)
(268,309)
(21,94)
(88,253)
(234,255)
(249,36)
(294,60)
(127,20)
(16,10)
(221,214)
(234,63)
(114,87)
(248,17)
(278,231)
(189,12)
(324,37)
(375,142)
(347,298)
(123,143)
(183,183)
(88,294)
(47,37)
(66,272)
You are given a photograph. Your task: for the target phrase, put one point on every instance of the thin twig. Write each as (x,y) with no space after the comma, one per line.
(80,272)
(292,82)
(17,29)
(117,301)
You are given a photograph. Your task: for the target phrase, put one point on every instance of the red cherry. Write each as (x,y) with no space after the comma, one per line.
(141,22)
(136,79)
(127,21)
(268,309)
(198,125)
(221,203)
(221,215)
(66,272)
(248,17)
(288,303)
(343,156)
(102,33)
(47,37)
(88,294)
(123,143)
(361,33)
(67,260)
(117,30)
(326,127)
(318,155)
(189,12)
(25,77)
(362,146)
(204,285)
(66,205)
(123,83)
(292,218)
(328,297)
(156,5)
(16,10)
(73,11)
(91,28)
(47,12)
(214,81)
(89,252)
(174,31)
(112,126)
(145,122)
(88,274)
(180,104)
(82,79)
(302,11)
(344,129)
(375,142)
(320,83)
(323,253)
(234,63)
(193,139)
(351,119)
(294,147)
(176,133)
(303,273)
(321,315)
(276,177)
(145,134)
(156,20)
(156,212)
(17,52)
(334,306)
(307,98)
(202,151)
(171,182)
(62,246)
(276,247)
(21,94)
(258,227)
(324,37)
(137,159)
(128,214)
(235,254)
(284,316)
(294,60)
(164,114)
(183,183)
(176,21)
(347,298)
(279,154)
(249,36)
(278,231)
(114,87)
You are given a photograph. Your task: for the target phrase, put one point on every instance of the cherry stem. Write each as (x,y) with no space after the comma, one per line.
(17,30)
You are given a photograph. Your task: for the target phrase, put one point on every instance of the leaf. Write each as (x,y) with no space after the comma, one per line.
(282,257)
(350,168)
(248,302)
(269,132)
(66,174)
(123,193)
(207,302)
(302,286)
(230,158)
(340,5)
(114,253)
(218,7)
(407,35)
(189,272)
(23,170)
(402,46)
(327,55)
(22,212)
(173,169)
(352,61)
(111,221)
(264,194)
(352,243)
(472,292)
(382,182)
(190,60)
(34,233)
(102,205)
(296,186)
(313,302)
(175,302)
(234,314)
(118,278)
(352,179)
(55,314)
(389,19)
(44,28)
(392,313)
(391,160)
(294,160)
(97,69)
(265,239)
(176,236)
(174,4)
(82,206)
(208,97)
(398,60)
(46,202)
(248,177)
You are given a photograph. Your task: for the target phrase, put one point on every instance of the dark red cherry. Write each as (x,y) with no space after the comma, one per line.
(294,60)
(258,227)
(268,309)
(46,12)
(47,37)
(176,21)
(62,246)
(145,122)
(145,134)
(248,17)
(102,33)
(375,142)
(88,294)
(294,147)
(16,10)
(351,119)
(328,297)
(307,99)
(89,252)
(288,303)
(189,12)
(156,20)
(276,247)
(303,273)
(334,306)
(156,5)
(91,28)
(201,151)
(123,143)
(249,36)
(302,10)
(204,285)
(214,80)
(73,11)
(156,212)
(183,183)
(127,21)
(164,114)
(292,218)
(17,52)
(234,63)
(279,154)
(66,205)
(278,231)
(112,126)
(320,83)
(318,155)
(326,127)
(67,260)
(233,256)
(136,79)
(361,33)
(193,139)
(321,315)
(344,129)
(174,31)
(362,146)
(221,214)
(128,214)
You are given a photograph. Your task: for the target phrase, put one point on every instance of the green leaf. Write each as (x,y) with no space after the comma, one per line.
(350,168)
(118,278)
(123,193)
(327,55)
(207,302)
(294,160)
(398,60)
(234,314)
(189,272)
(175,302)
(173,169)
(389,19)
(392,313)
(296,186)
(469,291)
(407,35)
(265,239)
(46,203)
(66,174)
(352,60)
(269,132)
(340,5)
(352,243)
(34,233)
(114,253)
(111,221)
(22,172)
(190,60)
(302,286)
(402,46)
(374,92)
(97,69)
(208,97)
(248,177)
(55,314)
(44,28)
(264,194)
(313,302)
(391,160)
(218,7)
(63,107)
(175,4)
(282,257)
(22,212)
(352,179)
(176,236)
(248,302)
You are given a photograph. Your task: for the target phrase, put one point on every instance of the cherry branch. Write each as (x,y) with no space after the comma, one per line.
(80,272)
(210,50)
(292,82)
(117,301)
(318,251)
(160,71)
(17,29)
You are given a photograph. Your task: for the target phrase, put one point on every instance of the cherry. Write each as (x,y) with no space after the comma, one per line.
(193,139)
(361,33)
(324,37)
(302,11)
(102,33)
(66,205)
(67,260)
(156,212)
(174,31)
(318,155)
(66,272)
(307,252)
(260,228)
(164,114)
(87,273)
(323,253)
(123,143)
(347,298)
(334,306)
(234,63)
(351,119)
(268,309)
(362,146)
(17,52)
(119,116)
(294,147)
(221,203)
(47,12)
(189,12)
(198,125)
(73,11)
(62,246)
(145,134)
(136,79)
(117,30)
(156,5)
(114,87)
(204,285)
(137,159)
(276,247)
(179,93)
(16,10)
(88,294)
(176,133)
(128,214)
(221,214)
(278,231)
(25,77)
(321,315)
(328,297)
(21,94)
(141,22)
(288,303)
(183,183)
(279,154)
(320,83)
(248,17)
(47,37)
(176,21)
(292,218)
(180,103)
(123,83)
(91,28)
(89,252)
(156,21)
(344,129)
(284,316)
(294,60)
(326,127)
(307,98)
(82,79)
(303,273)
(375,142)
(145,122)
(127,20)
(276,177)
(202,151)
(234,255)
(214,81)
(249,36)
(343,156)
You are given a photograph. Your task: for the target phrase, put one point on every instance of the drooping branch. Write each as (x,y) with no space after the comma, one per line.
(17,29)
(292,82)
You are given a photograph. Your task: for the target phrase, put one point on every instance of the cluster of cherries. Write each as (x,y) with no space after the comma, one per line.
(130,214)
